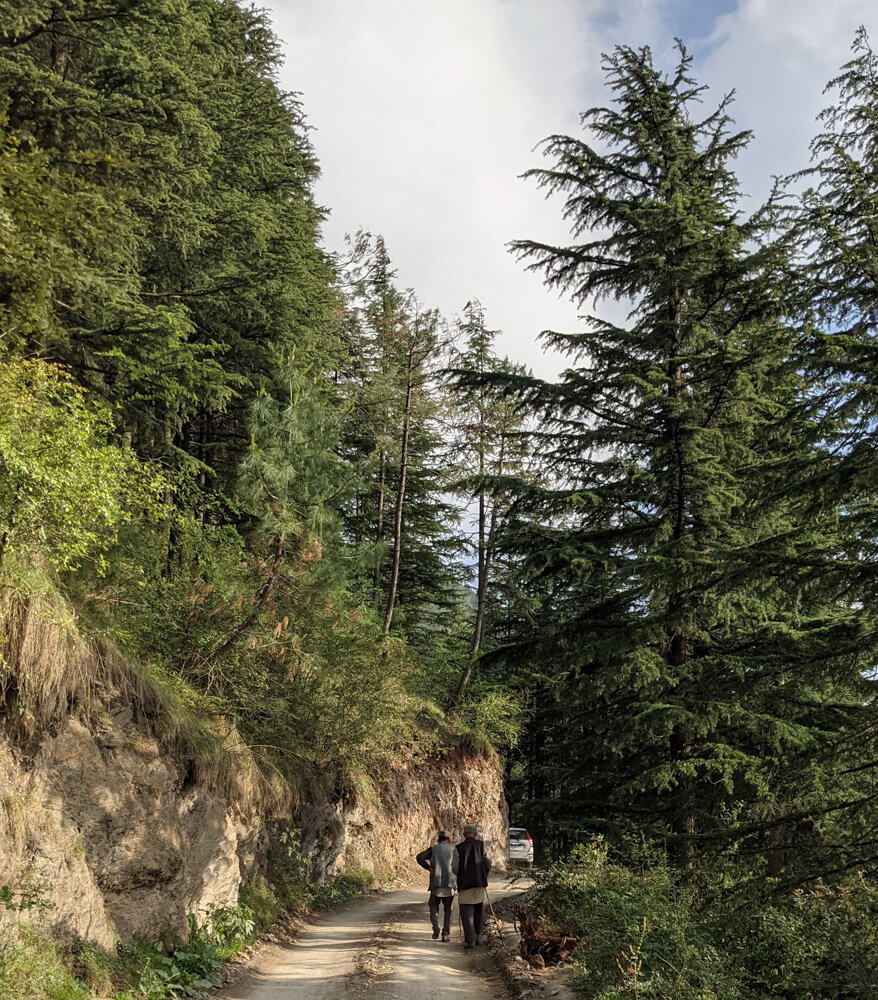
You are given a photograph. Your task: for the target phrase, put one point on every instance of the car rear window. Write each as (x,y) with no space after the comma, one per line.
(518,834)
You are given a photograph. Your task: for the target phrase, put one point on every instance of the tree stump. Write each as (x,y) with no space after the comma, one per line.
(541,945)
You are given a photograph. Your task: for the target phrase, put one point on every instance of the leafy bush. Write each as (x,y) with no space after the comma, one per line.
(190,969)
(719,935)
(492,713)
(263,903)
(639,930)
(350,885)
(288,871)
(63,489)
(31,969)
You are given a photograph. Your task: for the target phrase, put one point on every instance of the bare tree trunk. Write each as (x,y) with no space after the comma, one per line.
(486,548)
(400,498)
(379,533)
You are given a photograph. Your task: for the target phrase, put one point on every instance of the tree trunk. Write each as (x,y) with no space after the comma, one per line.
(681,742)
(681,745)
(481,587)
(379,532)
(400,499)
(486,549)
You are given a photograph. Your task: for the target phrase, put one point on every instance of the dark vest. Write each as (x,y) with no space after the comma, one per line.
(473,866)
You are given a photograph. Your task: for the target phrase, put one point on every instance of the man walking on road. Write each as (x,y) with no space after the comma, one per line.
(441,861)
(472,881)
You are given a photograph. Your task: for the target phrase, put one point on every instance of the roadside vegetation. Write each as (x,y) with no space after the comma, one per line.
(311,528)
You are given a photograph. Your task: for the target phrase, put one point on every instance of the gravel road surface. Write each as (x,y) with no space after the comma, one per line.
(377,948)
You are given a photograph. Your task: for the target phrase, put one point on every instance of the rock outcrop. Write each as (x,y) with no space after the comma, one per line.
(105,835)
(382,832)
(110,837)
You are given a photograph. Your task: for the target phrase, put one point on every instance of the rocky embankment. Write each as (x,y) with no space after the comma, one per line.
(111,829)
(384,831)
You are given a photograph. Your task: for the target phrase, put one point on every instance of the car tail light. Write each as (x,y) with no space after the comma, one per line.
(530,839)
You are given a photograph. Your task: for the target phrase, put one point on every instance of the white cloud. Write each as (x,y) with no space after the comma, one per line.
(779,55)
(426,113)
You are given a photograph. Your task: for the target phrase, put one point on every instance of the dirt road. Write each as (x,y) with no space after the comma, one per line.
(378,948)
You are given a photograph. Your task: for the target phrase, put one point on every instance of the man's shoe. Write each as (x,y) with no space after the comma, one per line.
(467,945)
(446,937)
(435,935)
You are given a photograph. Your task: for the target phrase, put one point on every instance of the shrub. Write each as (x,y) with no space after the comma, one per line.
(726,933)
(493,714)
(288,872)
(350,885)
(639,930)
(31,969)
(263,903)
(192,968)
(64,490)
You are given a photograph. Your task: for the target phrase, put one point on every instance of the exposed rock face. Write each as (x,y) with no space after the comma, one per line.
(106,832)
(383,834)
(117,838)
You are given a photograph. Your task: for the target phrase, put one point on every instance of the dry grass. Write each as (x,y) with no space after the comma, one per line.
(49,672)
(13,804)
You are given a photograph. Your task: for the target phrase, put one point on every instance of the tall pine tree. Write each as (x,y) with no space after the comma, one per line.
(693,684)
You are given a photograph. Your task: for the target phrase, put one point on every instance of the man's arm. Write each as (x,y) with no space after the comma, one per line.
(455,861)
(486,862)
(424,859)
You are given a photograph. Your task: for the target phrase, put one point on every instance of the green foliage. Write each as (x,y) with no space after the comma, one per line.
(190,969)
(492,713)
(288,873)
(22,898)
(170,211)
(160,246)
(349,885)
(31,969)
(644,933)
(695,643)
(639,930)
(262,903)
(394,438)
(65,491)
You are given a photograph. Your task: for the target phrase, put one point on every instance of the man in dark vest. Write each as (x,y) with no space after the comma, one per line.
(472,880)
(441,862)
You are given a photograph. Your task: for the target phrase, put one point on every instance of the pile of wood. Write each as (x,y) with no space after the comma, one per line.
(541,945)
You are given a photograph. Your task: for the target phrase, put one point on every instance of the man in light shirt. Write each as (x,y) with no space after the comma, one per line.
(441,862)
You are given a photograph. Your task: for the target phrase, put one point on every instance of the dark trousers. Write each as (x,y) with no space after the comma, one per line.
(446,901)
(471,918)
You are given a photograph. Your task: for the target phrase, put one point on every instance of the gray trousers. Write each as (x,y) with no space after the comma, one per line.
(471,917)
(446,901)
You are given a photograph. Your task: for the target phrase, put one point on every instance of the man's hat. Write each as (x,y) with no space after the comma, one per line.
(442,835)
(470,829)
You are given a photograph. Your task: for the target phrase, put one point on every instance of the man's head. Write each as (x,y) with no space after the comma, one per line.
(469,831)
(441,836)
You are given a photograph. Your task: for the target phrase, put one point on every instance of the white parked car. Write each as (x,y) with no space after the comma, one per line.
(521,846)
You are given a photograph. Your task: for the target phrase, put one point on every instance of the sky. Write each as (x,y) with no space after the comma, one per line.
(424,114)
